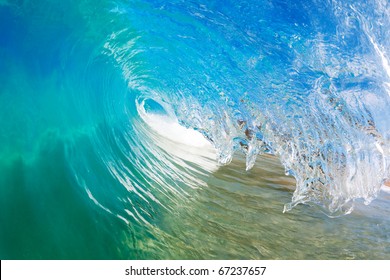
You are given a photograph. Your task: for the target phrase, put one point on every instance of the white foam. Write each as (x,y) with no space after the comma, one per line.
(172,130)
(179,141)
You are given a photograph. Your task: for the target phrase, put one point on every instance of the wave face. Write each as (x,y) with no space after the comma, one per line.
(308,82)
(132,109)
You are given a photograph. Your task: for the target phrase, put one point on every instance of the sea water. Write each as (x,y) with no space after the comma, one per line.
(194,129)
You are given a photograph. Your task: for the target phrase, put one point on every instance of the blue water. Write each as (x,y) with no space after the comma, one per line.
(291,98)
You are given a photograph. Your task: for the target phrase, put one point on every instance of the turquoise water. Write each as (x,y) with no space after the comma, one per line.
(194,129)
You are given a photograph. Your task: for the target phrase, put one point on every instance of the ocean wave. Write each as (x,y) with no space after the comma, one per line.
(311,87)
(159,95)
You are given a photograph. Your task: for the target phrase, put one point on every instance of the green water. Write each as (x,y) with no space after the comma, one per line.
(237,215)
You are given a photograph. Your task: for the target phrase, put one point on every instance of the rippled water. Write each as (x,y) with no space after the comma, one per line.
(194,129)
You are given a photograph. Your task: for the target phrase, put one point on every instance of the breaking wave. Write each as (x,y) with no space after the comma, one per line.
(139,104)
